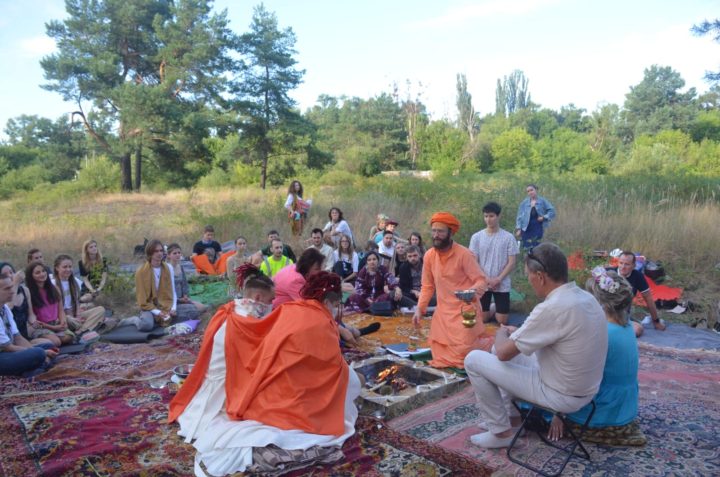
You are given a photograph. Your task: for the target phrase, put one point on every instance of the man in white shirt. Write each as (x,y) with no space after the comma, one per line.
(555,359)
(316,240)
(386,248)
(496,250)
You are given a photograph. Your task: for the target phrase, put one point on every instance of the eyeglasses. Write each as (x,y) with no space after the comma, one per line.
(533,257)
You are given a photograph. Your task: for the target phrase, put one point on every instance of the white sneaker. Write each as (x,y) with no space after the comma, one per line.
(489,440)
(647,321)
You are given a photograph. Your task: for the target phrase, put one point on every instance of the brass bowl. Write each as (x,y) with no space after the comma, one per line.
(469,314)
(469,323)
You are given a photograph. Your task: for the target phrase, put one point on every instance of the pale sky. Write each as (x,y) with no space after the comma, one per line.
(586,52)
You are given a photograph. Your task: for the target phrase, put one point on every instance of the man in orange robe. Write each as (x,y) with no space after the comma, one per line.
(285,383)
(448,267)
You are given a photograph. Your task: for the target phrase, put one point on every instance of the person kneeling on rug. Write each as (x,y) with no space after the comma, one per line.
(617,399)
(271,393)
(562,358)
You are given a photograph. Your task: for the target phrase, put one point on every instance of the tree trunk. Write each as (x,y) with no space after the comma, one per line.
(126,170)
(138,167)
(263,177)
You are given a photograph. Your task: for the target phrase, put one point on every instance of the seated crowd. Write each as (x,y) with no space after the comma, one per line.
(270,391)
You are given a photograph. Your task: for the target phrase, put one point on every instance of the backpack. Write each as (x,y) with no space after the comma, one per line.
(342,268)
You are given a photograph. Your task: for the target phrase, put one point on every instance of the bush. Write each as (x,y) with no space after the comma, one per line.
(99,174)
(215,178)
(25,178)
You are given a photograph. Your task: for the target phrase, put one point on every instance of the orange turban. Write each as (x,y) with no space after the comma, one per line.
(446,218)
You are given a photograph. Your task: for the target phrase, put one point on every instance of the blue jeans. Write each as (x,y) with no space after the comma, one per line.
(19,362)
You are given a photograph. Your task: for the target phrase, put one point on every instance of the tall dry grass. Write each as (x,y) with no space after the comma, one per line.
(676,221)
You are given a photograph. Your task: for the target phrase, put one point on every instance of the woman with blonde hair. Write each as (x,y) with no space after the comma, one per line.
(80,318)
(379,226)
(345,262)
(93,270)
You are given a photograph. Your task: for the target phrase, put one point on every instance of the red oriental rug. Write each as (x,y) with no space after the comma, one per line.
(679,414)
(73,422)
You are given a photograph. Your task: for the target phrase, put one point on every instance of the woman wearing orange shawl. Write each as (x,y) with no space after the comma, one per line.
(448,267)
(275,380)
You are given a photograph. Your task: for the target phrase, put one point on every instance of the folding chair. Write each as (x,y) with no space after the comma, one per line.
(568,450)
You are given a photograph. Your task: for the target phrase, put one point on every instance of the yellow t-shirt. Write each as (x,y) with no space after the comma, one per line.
(270,266)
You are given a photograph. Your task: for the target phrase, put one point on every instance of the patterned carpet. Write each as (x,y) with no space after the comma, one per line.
(679,414)
(70,421)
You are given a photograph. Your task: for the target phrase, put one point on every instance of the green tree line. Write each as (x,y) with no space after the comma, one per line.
(168,95)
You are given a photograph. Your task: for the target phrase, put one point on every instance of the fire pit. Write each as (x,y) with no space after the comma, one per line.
(396,386)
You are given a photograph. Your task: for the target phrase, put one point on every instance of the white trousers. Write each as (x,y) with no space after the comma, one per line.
(496,382)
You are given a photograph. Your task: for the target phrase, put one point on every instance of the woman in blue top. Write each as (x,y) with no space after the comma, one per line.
(534,215)
(617,399)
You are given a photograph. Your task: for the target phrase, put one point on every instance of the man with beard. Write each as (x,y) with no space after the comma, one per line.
(449,267)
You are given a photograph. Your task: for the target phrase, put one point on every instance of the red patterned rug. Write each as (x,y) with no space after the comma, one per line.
(70,421)
(679,414)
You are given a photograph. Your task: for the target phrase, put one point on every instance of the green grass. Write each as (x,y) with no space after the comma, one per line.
(670,219)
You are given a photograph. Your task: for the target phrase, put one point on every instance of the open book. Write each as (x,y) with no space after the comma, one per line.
(401,349)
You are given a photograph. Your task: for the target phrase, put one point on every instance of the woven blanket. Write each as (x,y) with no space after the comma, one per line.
(679,414)
(75,421)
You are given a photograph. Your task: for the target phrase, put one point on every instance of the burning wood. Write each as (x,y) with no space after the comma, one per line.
(387,373)
(391,376)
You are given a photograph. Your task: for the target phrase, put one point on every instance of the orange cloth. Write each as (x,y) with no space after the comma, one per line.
(658,292)
(221,264)
(444,273)
(576,261)
(446,218)
(203,265)
(284,370)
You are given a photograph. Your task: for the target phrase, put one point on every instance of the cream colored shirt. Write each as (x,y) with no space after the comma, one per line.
(568,334)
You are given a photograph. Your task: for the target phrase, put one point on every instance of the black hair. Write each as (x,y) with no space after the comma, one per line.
(53,296)
(309,257)
(340,214)
(492,208)
(629,253)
